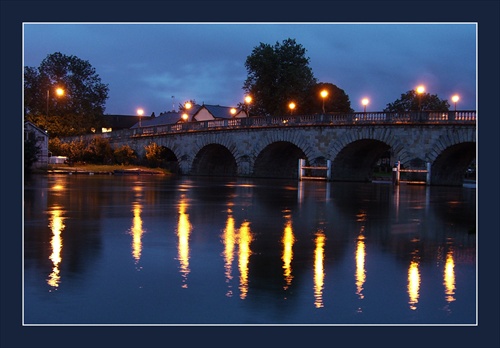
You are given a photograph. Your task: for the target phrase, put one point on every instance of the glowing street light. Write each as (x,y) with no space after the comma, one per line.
(455,99)
(59,93)
(291,106)
(233,111)
(248,101)
(140,112)
(365,102)
(324,94)
(185,115)
(420,91)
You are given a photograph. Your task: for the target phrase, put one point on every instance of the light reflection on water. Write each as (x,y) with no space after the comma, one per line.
(346,253)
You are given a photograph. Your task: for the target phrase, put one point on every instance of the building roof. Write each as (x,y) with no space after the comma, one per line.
(218,111)
(121,121)
(169,117)
(35,127)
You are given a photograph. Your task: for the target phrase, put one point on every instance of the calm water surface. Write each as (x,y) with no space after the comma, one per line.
(157,250)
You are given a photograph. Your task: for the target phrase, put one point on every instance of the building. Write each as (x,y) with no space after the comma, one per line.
(214,112)
(42,140)
(195,114)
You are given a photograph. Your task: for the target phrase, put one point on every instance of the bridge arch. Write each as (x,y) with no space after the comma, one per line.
(450,156)
(278,160)
(450,166)
(164,156)
(214,159)
(354,154)
(356,160)
(277,154)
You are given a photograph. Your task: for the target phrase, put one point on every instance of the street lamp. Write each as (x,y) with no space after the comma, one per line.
(365,102)
(454,99)
(291,106)
(233,111)
(59,93)
(324,94)
(185,115)
(140,112)
(420,91)
(248,100)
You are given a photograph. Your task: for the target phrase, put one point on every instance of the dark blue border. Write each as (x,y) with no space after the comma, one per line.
(13,13)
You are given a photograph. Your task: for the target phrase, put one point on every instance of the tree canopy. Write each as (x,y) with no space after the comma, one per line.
(278,75)
(336,99)
(81,107)
(411,101)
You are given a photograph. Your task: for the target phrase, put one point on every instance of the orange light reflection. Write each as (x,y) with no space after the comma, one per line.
(319,273)
(244,239)
(287,240)
(56,245)
(137,231)
(449,277)
(360,266)
(183,233)
(229,241)
(413,283)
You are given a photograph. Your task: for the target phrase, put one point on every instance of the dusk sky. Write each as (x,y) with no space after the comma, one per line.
(146,64)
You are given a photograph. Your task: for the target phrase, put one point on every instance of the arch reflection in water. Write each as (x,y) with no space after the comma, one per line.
(319,272)
(183,232)
(414,281)
(56,245)
(287,240)
(449,277)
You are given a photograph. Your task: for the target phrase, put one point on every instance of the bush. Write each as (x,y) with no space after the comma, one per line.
(155,155)
(124,155)
(98,151)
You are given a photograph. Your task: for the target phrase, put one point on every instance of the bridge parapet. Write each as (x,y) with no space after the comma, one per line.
(332,119)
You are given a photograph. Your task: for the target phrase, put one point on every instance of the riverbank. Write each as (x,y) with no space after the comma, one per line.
(93,169)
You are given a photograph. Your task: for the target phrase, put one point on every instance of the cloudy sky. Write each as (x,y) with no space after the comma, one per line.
(156,66)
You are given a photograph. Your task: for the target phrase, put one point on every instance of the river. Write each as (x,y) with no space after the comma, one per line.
(156,250)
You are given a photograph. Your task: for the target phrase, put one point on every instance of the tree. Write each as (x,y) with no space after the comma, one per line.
(278,75)
(411,101)
(82,106)
(336,100)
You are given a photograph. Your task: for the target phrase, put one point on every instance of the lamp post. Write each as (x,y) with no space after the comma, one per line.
(365,102)
(59,93)
(324,94)
(185,115)
(455,99)
(140,112)
(291,106)
(233,112)
(420,91)
(248,100)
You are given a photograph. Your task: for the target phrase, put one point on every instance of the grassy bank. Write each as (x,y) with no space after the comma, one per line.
(103,169)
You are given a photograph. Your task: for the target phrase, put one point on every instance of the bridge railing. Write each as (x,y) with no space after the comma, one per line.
(333,119)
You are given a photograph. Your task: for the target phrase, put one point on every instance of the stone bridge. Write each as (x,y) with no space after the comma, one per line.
(272,146)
